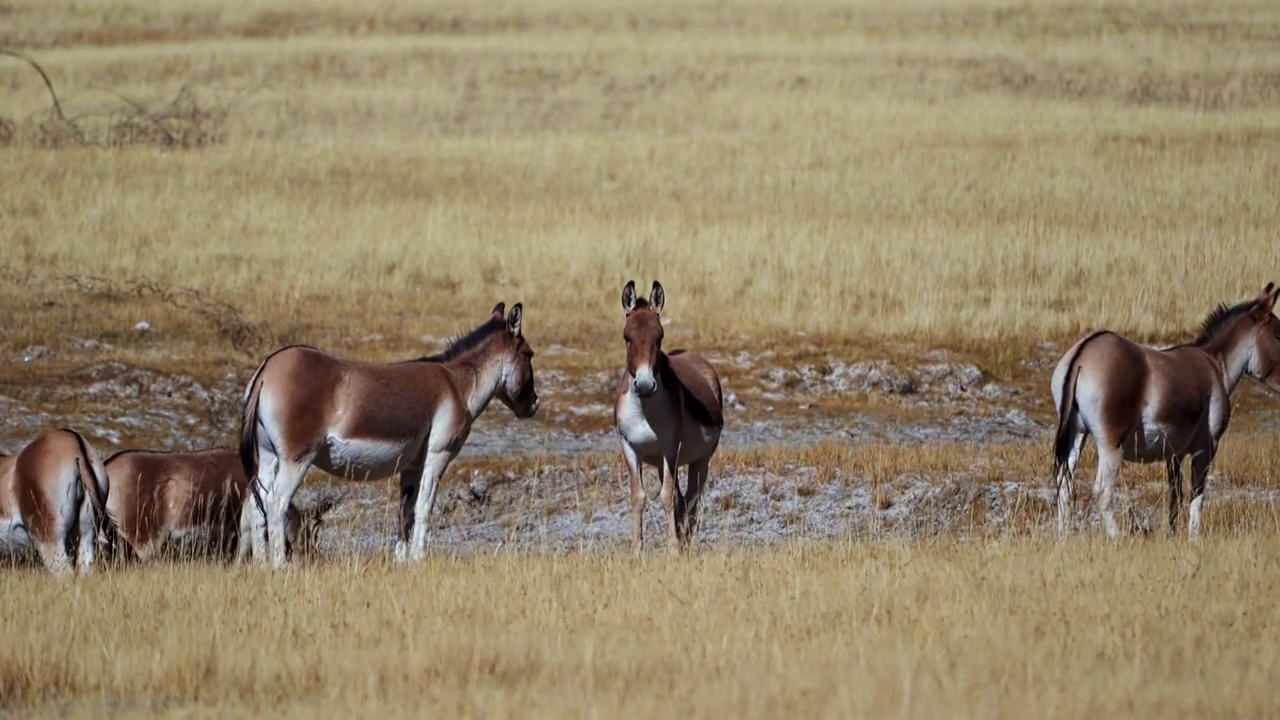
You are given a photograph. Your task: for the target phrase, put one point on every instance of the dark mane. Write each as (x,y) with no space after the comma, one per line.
(1218,317)
(641,302)
(460,344)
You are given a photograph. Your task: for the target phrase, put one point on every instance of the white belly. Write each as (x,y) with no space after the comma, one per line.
(13,535)
(364,459)
(649,439)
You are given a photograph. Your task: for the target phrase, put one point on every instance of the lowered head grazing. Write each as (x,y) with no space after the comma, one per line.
(643,335)
(304,526)
(516,390)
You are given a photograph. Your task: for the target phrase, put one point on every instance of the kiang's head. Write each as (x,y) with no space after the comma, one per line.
(516,390)
(303,527)
(1264,356)
(643,335)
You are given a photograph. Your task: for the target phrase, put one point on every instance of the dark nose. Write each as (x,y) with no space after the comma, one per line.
(644,388)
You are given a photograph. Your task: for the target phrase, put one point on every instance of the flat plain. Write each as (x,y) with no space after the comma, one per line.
(883,222)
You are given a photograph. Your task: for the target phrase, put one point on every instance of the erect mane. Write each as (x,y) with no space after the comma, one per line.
(460,344)
(1218,317)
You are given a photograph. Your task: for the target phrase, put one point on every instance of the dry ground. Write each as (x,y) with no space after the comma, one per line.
(883,221)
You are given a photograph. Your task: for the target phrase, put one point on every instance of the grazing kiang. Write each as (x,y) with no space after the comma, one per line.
(157,496)
(669,413)
(307,408)
(1146,405)
(53,495)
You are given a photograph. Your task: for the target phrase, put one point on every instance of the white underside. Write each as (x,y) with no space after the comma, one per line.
(13,535)
(636,429)
(364,459)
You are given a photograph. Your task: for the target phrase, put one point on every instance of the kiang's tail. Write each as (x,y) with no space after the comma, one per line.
(249,429)
(96,483)
(1067,409)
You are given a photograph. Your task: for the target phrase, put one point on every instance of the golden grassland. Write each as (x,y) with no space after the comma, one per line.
(881,177)
(1005,629)
(943,172)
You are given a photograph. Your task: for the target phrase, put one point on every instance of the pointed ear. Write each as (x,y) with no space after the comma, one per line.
(1269,295)
(657,297)
(515,318)
(629,296)
(500,309)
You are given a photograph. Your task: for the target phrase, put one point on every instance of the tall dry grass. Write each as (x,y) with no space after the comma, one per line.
(963,173)
(1008,629)
(952,172)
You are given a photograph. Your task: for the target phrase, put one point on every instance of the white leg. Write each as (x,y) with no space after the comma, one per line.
(253,511)
(1199,476)
(56,550)
(88,533)
(1108,470)
(277,499)
(635,471)
(432,470)
(1066,477)
(253,527)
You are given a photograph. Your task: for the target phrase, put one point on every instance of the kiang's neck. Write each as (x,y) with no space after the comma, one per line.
(1232,354)
(480,380)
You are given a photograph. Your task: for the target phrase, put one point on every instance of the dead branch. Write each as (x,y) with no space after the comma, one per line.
(57,104)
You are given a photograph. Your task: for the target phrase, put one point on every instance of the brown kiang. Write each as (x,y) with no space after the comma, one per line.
(1146,405)
(54,491)
(368,421)
(158,495)
(669,412)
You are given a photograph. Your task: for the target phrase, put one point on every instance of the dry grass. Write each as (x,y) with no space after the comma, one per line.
(881,177)
(1011,629)
(947,172)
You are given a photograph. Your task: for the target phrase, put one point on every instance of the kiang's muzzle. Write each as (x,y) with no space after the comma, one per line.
(644,383)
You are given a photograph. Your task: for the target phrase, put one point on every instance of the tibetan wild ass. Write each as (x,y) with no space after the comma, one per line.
(669,412)
(53,495)
(1146,405)
(366,421)
(157,495)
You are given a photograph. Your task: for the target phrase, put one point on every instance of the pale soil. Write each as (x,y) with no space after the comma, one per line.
(557,482)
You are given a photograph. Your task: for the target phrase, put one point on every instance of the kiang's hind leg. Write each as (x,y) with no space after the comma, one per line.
(87,534)
(1066,477)
(255,510)
(1109,462)
(696,480)
(277,499)
(672,502)
(57,543)
(1173,469)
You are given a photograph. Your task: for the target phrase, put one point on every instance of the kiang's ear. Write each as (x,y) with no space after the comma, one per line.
(500,310)
(515,318)
(657,297)
(629,296)
(1269,295)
